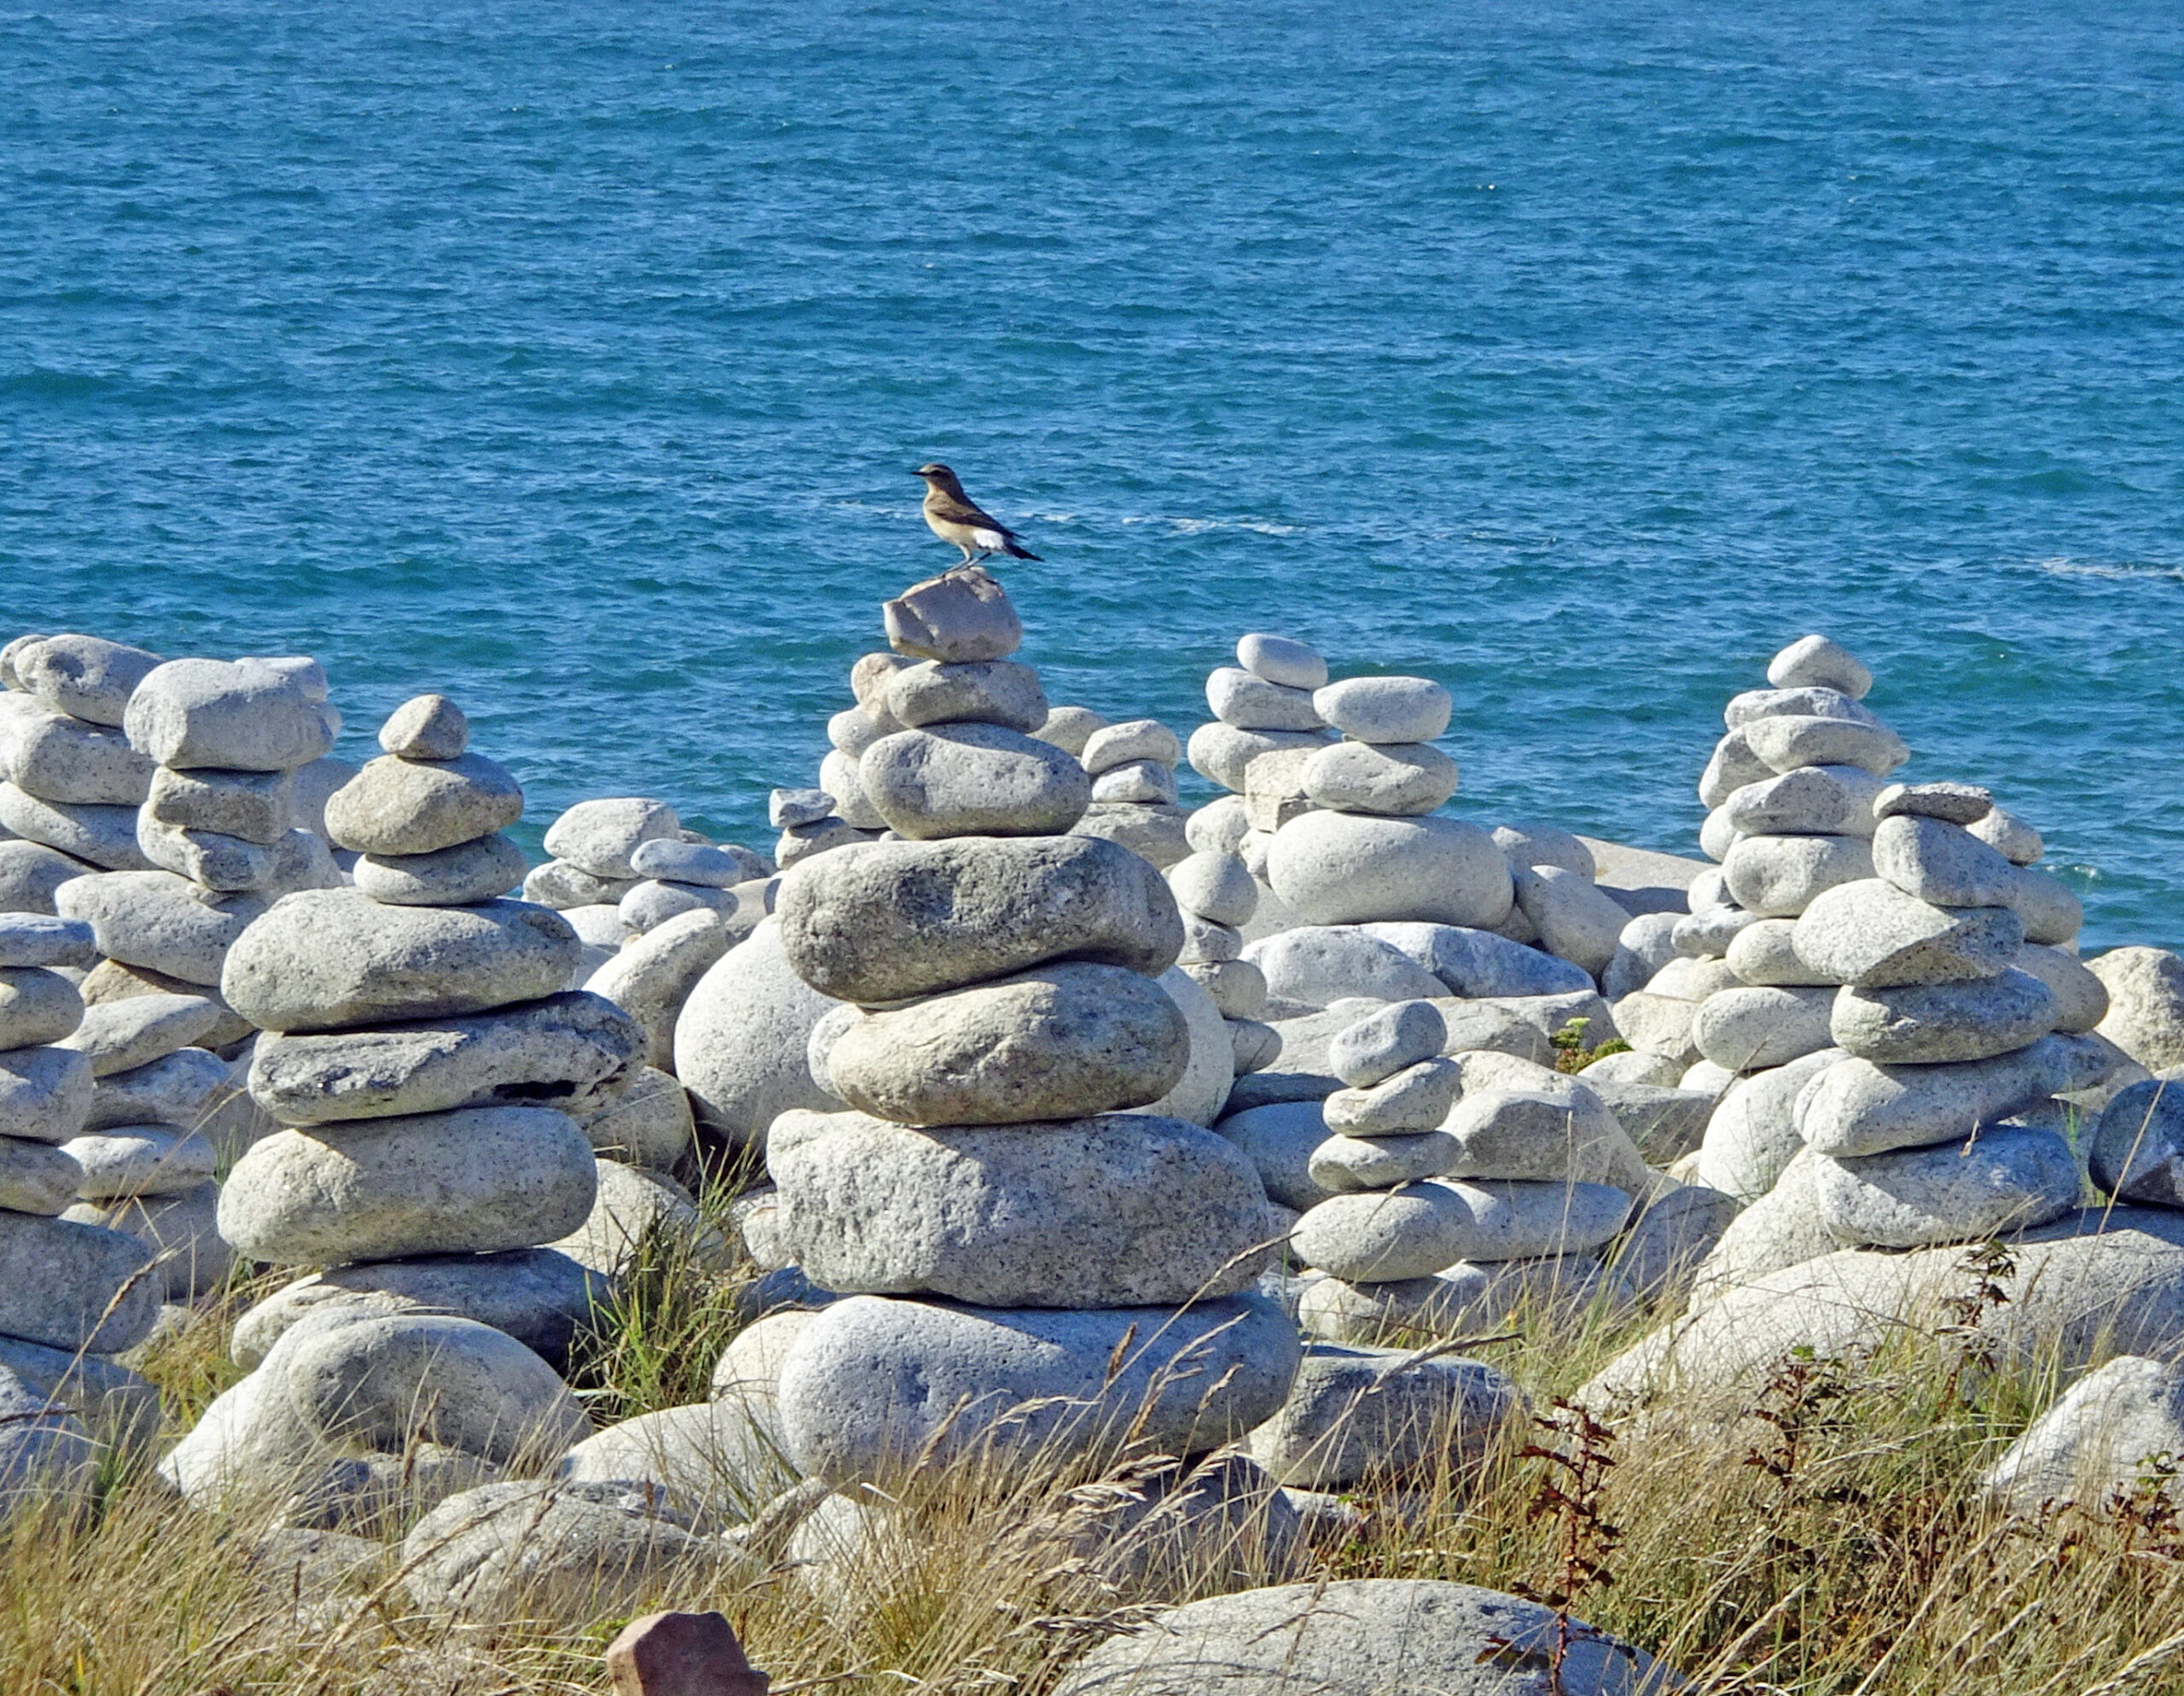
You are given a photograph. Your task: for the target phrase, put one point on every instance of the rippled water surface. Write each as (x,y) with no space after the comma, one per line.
(573,359)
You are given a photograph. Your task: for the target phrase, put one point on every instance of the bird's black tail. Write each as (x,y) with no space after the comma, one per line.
(1009,547)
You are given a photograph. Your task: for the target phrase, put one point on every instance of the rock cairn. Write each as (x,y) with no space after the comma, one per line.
(1443,1207)
(1132,766)
(1217,895)
(71,781)
(424,1061)
(71,1293)
(1029,1271)
(809,824)
(1261,705)
(1940,1126)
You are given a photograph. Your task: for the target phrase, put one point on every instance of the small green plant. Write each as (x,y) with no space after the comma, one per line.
(1570,1053)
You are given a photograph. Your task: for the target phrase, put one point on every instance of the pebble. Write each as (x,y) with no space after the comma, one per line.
(1214,888)
(326,959)
(1141,783)
(2048,908)
(1417,1097)
(37,1178)
(1780,876)
(1813,800)
(1657,1024)
(1786,743)
(573,1051)
(1521,1120)
(36,1007)
(407,806)
(1815,659)
(464,875)
(1960,804)
(2136,1151)
(1060,1041)
(1339,868)
(1282,659)
(59,758)
(226,864)
(473,1181)
(872,1387)
(961,617)
(120,1036)
(256,806)
(1344,1164)
(73,1286)
(1923,1024)
(1386,709)
(631,1207)
(1070,728)
(965,779)
(315,780)
(2006,1178)
(1136,739)
(870,679)
(242,715)
(599,836)
(427,727)
(679,862)
(1856,1107)
(1389,1041)
(889,922)
(2017,841)
(1871,934)
(84,676)
(1399,780)
(1222,754)
(1744,1029)
(1098,1213)
(1152,833)
(991,692)
(803,841)
(105,836)
(142,1160)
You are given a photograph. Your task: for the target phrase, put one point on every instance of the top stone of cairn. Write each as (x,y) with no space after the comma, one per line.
(233,715)
(84,676)
(1814,660)
(426,726)
(1280,659)
(960,618)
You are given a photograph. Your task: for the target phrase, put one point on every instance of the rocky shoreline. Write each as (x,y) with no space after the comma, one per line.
(1070,1134)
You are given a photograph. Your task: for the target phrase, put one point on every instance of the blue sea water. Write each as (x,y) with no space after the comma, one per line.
(573,359)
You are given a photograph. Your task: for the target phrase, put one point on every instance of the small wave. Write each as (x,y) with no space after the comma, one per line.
(2113,571)
(1193,526)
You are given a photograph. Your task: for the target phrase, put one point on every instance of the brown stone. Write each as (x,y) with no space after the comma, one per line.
(681,1655)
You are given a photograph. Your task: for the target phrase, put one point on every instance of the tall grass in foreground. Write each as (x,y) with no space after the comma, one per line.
(1826,1542)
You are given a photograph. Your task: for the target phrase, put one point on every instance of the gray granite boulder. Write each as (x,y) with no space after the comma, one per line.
(2145,1004)
(481,869)
(72,1286)
(973,780)
(742,1038)
(407,806)
(985,692)
(2136,1151)
(1856,1107)
(2006,1178)
(84,676)
(1381,1414)
(1923,1024)
(242,715)
(1871,934)
(160,922)
(45,1093)
(1317,965)
(653,976)
(2111,1439)
(1340,868)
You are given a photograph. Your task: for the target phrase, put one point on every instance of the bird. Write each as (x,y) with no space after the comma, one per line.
(953,516)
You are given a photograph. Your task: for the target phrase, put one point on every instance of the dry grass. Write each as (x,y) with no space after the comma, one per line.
(1826,1542)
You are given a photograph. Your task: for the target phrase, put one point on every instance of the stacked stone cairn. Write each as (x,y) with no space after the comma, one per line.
(1260,706)
(1446,1209)
(1132,766)
(1033,1278)
(70,780)
(72,1294)
(1940,1124)
(424,1060)
(1217,895)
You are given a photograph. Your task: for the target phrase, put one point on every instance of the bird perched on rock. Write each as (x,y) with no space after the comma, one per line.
(953,516)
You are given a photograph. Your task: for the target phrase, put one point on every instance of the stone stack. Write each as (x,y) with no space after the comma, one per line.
(424,1060)
(682,874)
(71,1293)
(70,780)
(1446,1207)
(1217,895)
(1263,705)
(809,824)
(1132,766)
(1940,1126)
(1031,1274)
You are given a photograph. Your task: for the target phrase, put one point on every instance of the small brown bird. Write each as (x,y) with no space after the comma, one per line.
(953,516)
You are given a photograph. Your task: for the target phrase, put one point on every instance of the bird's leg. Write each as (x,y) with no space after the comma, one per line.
(968,557)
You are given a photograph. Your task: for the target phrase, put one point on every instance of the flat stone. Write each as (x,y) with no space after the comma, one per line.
(410,806)
(255,806)
(241,715)
(2136,1151)
(1249,702)
(1742,1030)
(1417,1230)
(1669,1237)
(121,1035)
(1110,745)
(1061,1041)
(1319,965)
(1339,868)
(180,1230)
(1707,933)
(1663,1121)
(1363,1637)
(1815,659)
(1115,1210)
(1576,919)
(36,1007)
(461,876)
(227,864)
(1070,728)
(1872,935)
(598,837)
(1279,1139)
(159,921)
(1813,800)
(1223,753)
(472,1181)
(1343,1165)
(2007,1178)
(326,959)
(742,1039)
(74,1286)
(37,1178)
(574,1052)
(141,1159)
(679,862)
(62,759)
(1922,1024)
(889,922)
(426,726)
(41,940)
(1780,876)
(84,676)
(1958,803)
(1519,1121)
(987,692)
(1786,743)
(1152,833)
(1812,700)
(651,905)
(1751,1136)
(561,885)
(873,1387)
(1376,1048)
(1282,659)
(1417,1097)
(2145,1004)
(2092,1447)
(966,780)
(103,836)
(1731,767)
(2019,843)
(1386,709)
(961,616)
(1139,783)
(1856,1107)
(1356,1415)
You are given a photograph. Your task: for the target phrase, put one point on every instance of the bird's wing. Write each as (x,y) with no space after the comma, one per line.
(951,510)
